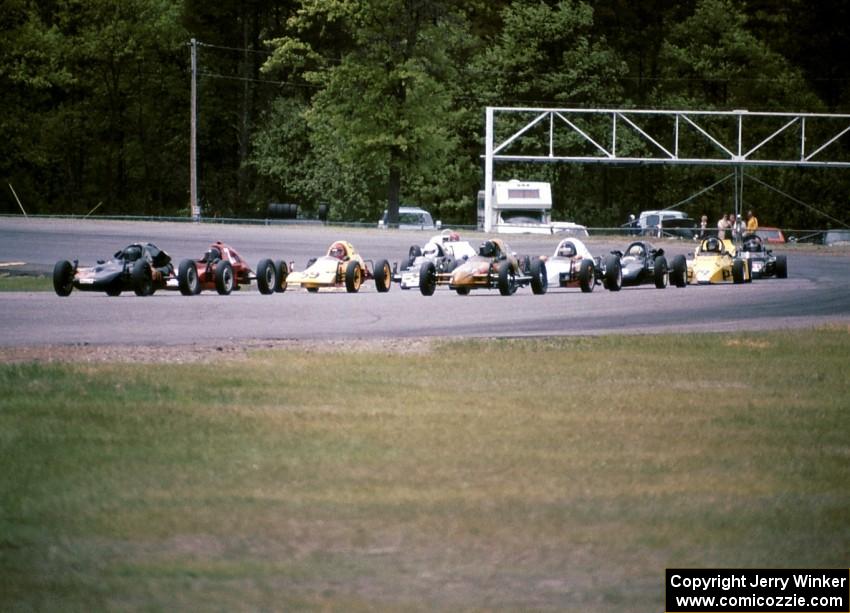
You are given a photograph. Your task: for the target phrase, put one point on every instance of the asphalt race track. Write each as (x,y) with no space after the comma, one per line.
(817,291)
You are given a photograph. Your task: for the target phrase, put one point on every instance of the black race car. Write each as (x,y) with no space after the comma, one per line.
(642,263)
(762,261)
(141,267)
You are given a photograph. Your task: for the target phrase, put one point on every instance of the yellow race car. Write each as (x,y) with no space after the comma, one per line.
(342,266)
(714,261)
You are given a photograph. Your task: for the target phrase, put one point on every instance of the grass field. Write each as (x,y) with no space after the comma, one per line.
(559,474)
(25,283)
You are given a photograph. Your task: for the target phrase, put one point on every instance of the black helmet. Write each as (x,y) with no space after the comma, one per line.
(712,244)
(567,250)
(488,249)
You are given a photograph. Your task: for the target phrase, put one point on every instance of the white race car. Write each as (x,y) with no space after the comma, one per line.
(445,250)
(573,265)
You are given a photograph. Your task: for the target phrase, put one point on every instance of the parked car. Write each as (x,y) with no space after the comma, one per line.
(770,235)
(836,237)
(659,223)
(141,267)
(410,218)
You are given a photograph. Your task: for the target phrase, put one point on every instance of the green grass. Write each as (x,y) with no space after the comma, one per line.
(25,283)
(561,474)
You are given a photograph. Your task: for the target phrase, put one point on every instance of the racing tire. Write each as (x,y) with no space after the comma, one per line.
(427,278)
(414,252)
(662,276)
(748,277)
(114,290)
(142,279)
(781,267)
(383,276)
(738,271)
(63,278)
(448,264)
(266,277)
(613,280)
(187,278)
(462,291)
(539,280)
(679,271)
(353,277)
(507,279)
(224,278)
(282,274)
(586,276)
(313,290)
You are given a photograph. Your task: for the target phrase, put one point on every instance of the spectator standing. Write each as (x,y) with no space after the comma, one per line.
(703,227)
(752,222)
(737,225)
(722,226)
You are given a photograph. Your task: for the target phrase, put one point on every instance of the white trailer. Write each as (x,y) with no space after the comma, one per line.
(521,207)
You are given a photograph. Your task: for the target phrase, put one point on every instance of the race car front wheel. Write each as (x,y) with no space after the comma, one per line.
(427,278)
(507,279)
(223,278)
(539,280)
(63,278)
(586,276)
(353,277)
(282,274)
(661,274)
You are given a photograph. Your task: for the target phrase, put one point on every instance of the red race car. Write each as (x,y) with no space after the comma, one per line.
(224,270)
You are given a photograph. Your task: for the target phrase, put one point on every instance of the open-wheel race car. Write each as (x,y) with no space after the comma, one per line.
(445,250)
(222,269)
(493,267)
(641,263)
(762,262)
(572,265)
(715,261)
(140,267)
(342,266)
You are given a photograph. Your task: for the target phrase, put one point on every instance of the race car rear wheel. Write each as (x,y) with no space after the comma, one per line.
(413,253)
(383,276)
(114,290)
(353,277)
(462,291)
(142,279)
(427,278)
(613,280)
(266,277)
(660,271)
(781,267)
(679,271)
(507,279)
(223,278)
(187,278)
(282,274)
(586,276)
(539,280)
(63,278)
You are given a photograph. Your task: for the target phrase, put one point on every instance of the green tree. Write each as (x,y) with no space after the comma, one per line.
(381,120)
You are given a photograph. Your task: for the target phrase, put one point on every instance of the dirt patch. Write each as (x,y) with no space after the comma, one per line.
(191,354)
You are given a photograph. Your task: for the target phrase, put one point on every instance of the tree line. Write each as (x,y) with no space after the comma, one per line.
(361,105)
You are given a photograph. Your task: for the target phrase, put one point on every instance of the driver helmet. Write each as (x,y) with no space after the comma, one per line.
(752,243)
(567,250)
(487,249)
(712,244)
(337,250)
(636,250)
(431,250)
(453,237)
(213,254)
(133,253)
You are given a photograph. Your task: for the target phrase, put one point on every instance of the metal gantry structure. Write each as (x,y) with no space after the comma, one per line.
(735,139)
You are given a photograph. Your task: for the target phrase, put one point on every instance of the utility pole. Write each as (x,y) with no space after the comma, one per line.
(195,209)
